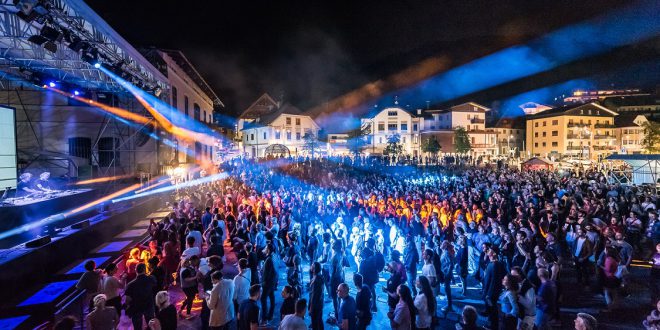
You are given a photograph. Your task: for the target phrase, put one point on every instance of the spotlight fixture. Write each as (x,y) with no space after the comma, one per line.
(50,46)
(76,92)
(97,65)
(52,84)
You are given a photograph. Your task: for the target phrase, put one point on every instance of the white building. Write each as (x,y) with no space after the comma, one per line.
(277,133)
(383,124)
(472,117)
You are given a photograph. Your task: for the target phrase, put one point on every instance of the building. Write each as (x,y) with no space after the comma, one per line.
(629,132)
(383,124)
(264,105)
(510,136)
(581,131)
(532,108)
(586,96)
(278,132)
(191,96)
(471,116)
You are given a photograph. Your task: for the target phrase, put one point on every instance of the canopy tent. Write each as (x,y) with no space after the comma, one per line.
(644,168)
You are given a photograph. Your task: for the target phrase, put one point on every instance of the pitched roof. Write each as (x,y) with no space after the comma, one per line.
(572,110)
(267,119)
(516,122)
(625,120)
(264,105)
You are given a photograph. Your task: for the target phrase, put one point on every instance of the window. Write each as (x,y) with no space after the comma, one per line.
(277,135)
(544,144)
(544,123)
(380,140)
(391,113)
(473,139)
(403,139)
(185,105)
(298,121)
(555,133)
(252,136)
(536,124)
(589,111)
(415,139)
(381,127)
(288,120)
(288,135)
(175,97)
(265,136)
(196,111)
(404,126)
(555,122)
(204,117)
(415,127)
(298,136)
(536,144)
(581,111)
(391,126)
(543,134)
(555,144)
(536,134)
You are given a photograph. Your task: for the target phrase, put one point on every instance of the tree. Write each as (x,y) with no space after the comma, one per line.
(394,146)
(462,140)
(356,139)
(431,145)
(310,143)
(651,141)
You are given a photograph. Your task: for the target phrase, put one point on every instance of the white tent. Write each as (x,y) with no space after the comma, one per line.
(645,168)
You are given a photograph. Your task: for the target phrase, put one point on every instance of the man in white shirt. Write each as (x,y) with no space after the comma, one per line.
(220,302)
(428,269)
(242,282)
(196,234)
(191,249)
(296,321)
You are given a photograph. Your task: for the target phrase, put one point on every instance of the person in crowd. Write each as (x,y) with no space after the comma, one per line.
(492,286)
(295,321)
(316,288)
(584,321)
(171,256)
(447,260)
(462,260)
(526,298)
(165,311)
(90,282)
(131,263)
(509,302)
(397,277)
(425,304)
(140,298)
(216,248)
(289,303)
(102,317)
(219,301)
(545,300)
(111,286)
(347,316)
(362,302)
(336,271)
(610,281)
(191,249)
(410,261)
(241,283)
(189,279)
(248,311)
(268,284)
(581,252)
(403,316)
(214,264)
(370,268)
(468,320)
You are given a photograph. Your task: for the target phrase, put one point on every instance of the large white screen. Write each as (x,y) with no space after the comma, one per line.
(7,148)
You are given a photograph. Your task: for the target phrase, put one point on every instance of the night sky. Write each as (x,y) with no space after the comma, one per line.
(309,52)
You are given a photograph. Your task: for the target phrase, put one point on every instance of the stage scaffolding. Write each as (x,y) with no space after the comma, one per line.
(45,120)
(639,169)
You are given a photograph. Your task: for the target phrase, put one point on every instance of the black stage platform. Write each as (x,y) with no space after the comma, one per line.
(15,212)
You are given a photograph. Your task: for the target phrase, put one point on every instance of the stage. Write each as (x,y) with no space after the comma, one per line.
(16,212)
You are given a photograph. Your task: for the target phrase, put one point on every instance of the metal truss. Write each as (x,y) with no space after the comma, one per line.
(17,54)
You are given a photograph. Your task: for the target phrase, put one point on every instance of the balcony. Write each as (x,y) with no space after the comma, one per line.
(577,148)
(577,125)
(483,146)
(604,126)
(477,121)
(603,137)
(598,148)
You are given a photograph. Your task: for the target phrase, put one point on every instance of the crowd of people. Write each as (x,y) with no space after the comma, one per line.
(333,230)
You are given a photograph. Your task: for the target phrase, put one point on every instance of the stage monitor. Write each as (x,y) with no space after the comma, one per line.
(8,170)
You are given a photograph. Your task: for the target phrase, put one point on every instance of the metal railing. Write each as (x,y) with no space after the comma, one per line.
(604,126)
(477,121)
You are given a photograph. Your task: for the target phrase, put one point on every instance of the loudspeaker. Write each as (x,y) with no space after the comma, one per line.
(80,225)
(37,242)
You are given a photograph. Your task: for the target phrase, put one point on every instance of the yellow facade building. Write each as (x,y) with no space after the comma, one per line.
(584,132)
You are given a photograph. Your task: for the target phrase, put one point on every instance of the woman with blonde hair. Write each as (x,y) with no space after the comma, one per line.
(131,263)
(102,317)
(165,311)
